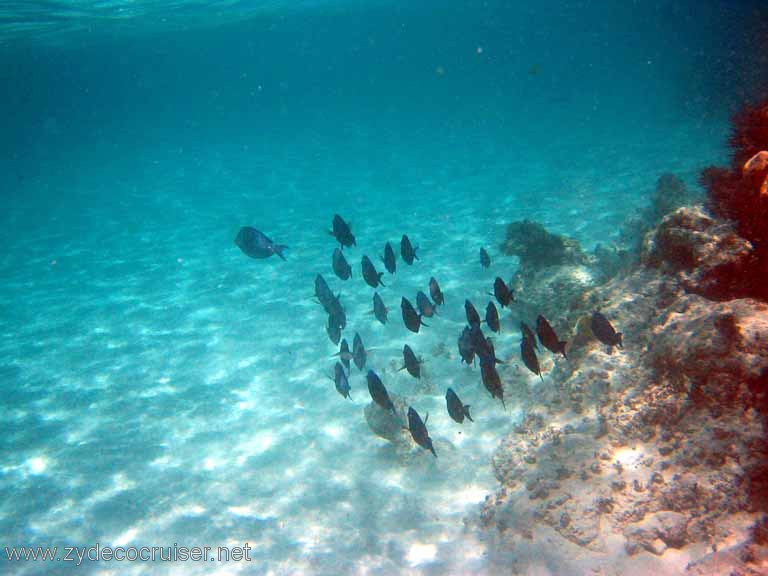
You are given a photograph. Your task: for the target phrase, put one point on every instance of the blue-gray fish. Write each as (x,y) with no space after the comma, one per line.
(371,276)
(341,231)
(389,258)
(412,364)
(333,329)
(256,244)
(418,430)
(379,309)
(473,318)
(456,409)
(485,260)
(341,267)
(407,251)
(378,392)
(466,349)
(359,355)
(492,317)
(341,381)
(411,318)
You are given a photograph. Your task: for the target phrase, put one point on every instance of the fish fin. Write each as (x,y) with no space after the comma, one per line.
(540,376)
(466,412)
(499,361)
(426,418)
(620,339)
(433,451)
(562,349)
(401,369)
(380,282)
(422,322)
(349,395)
(502,403)
(414,252)
(278,249)
(371,312)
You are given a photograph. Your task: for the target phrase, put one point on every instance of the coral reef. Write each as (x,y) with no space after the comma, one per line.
(662,444)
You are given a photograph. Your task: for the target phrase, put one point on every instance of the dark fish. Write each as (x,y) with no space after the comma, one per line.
(341,381)
(473,318)
(491,357)
(379,309)
(344,354)
(341,267)
(548,338)
(466,349)
(342,232)
(333,329)
(485,260)
(372,278)
(502,292)
(604,331)
(389,258)
(435,292)
(418,430)
(426,308)
(492,317)
(528,334)
(323,291)
(456,409)
(410,317)
(256,244)
(492,381)
(330,303)
(359,356)
(378,392)
(529,357)
(407,251)
(483,346)
(412,364)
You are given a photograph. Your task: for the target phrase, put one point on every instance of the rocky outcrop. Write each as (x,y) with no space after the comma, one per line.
(659,443)
(705,255)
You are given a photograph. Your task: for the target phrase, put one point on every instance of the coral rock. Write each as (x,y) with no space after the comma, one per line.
(707,255)
(657,532)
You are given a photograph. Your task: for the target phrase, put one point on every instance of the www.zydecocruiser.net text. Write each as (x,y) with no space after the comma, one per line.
(98,553)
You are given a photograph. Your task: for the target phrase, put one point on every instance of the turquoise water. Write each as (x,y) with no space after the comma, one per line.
(159,387)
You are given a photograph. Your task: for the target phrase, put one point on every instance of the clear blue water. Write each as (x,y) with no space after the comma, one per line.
(159,387)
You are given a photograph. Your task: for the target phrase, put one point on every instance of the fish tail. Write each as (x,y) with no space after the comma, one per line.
(278,249)
(466,413)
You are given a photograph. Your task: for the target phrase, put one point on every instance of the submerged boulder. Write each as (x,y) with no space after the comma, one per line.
(538,248)
(385,424)
(706,255)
